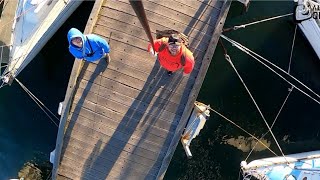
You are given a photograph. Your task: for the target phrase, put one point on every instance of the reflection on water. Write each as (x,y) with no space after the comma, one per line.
(246,144)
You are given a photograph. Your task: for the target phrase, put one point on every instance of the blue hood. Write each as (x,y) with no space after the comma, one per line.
(73,32)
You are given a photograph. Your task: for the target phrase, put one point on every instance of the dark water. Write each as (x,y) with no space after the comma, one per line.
(27,135)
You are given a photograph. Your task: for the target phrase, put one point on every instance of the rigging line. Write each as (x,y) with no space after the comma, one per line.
(294,38)
(274,121)
(264,119)
(38,102)
(253,54)
(241,129)
(256,22)
(40,107)
(29,93)
(37,99)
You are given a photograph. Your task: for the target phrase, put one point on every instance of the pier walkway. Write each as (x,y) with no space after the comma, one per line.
(124,120)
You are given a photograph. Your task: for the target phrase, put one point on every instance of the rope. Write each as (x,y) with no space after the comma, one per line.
(294,38)
(274,121)
(253,54)
(255,22)
(241,129)
(290,90)
(39,103)
(265,121)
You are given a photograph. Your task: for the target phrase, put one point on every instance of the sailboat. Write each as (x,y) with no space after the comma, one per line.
(307,15)
(34,23)
(300,166)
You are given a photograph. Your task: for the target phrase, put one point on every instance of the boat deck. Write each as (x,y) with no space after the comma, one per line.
(124,120)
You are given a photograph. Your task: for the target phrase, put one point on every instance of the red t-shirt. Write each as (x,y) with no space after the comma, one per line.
(170,62)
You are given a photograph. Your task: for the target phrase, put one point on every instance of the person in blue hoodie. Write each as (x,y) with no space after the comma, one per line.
(89,47)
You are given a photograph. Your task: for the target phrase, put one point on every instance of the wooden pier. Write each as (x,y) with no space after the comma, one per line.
(124,120)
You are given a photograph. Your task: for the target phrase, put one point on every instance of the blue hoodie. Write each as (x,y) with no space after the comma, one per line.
(98,44)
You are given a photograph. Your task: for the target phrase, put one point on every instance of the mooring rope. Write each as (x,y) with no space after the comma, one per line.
(253,54)
(39,103)
(293,41)
(256,22)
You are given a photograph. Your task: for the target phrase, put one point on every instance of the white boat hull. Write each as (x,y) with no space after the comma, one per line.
(299,166)
(311,30)
(308,23)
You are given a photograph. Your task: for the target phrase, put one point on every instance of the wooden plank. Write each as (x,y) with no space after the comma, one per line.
(70,173)
(112,154)
(136,42)
(79,172)
(101,171)
(107,125)
(132,113)
(132,103)
(184,82)
(91,159)
(217,4)
(59,177)
(156,86)
(197,4)
(118,34)
(78,138)
(197,37)
(115,137)
(109,22)
(137,124)
(118,117)
(107,94)
(163,12)
(123,90)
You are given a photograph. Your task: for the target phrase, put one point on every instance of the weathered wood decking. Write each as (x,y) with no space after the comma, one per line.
(124,120)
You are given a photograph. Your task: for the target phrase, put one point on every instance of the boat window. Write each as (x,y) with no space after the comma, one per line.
(290,177)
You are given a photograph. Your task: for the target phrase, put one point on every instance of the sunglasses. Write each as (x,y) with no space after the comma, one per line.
(174,44)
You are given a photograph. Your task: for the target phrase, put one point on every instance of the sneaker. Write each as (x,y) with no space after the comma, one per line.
(107,58)
(169,73)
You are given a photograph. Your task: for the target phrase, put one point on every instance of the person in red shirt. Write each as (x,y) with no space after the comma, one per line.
(173,54)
